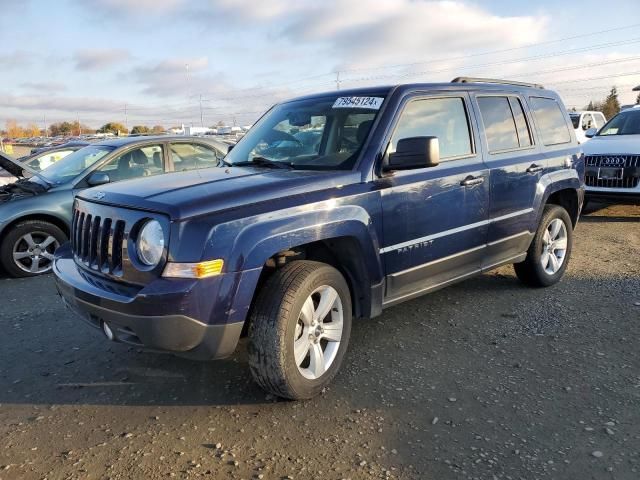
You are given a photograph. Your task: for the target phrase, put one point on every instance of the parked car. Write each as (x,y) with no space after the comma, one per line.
(583,121)
(410,189)
(612,158)
(35,212)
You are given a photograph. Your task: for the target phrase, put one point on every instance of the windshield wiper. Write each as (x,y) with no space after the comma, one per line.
(265,162)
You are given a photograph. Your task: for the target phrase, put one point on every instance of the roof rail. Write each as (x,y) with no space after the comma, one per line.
(493,80)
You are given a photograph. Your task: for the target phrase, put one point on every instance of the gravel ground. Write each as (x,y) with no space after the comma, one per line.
(483,380)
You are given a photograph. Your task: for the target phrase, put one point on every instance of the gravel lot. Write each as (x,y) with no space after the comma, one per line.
(486,379)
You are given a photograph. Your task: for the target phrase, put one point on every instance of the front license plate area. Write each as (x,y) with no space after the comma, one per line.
(610,173)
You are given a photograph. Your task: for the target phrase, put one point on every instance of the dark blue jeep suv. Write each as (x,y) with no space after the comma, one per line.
(333,206)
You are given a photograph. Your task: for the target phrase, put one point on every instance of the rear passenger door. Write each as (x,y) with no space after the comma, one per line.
(516,166)
(434,219)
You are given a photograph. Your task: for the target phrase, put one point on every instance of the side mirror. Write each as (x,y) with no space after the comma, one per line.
(98,178)
(414,152)
(591,132)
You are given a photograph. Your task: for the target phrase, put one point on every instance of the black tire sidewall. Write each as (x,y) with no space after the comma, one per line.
(551,213)
(6,248)
(302,386)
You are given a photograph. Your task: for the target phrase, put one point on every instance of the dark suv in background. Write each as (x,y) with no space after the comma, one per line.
(403,190)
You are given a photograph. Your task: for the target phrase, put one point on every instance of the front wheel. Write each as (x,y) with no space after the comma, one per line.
(27,249)
(299,329)
(549,252)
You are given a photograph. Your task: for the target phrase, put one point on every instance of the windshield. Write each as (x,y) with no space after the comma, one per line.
(575,119)
(324,133)
(625,123)
(74,164)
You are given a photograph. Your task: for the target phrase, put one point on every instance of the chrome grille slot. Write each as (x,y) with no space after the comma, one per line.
(97,242)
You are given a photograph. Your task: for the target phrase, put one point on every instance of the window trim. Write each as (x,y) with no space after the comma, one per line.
(571,139)
(443,95)
(506,95)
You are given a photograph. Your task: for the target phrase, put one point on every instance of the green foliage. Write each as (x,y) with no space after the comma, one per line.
(158,129)
(113,127)
(638,99)
(138,129)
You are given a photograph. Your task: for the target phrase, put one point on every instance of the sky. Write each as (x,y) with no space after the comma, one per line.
(171,62)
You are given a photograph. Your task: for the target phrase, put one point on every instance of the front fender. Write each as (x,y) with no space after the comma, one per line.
(259,241)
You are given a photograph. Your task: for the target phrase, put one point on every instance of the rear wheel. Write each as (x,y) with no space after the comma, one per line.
(27,249)
(549,252)
(300,329)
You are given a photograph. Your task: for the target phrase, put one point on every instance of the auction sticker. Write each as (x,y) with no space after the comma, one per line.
(371,103)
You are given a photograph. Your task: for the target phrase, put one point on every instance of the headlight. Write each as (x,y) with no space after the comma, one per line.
(150,244)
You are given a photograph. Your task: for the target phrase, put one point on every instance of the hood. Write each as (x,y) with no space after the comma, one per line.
(186,194)
(11,165)
(613,145)
(17,168)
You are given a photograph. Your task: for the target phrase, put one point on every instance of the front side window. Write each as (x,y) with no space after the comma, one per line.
(193,156)
(499,124)
(550,120)
(140,162)
(624,123)
(445,118)
(74,164)
(600,120)
(322,133)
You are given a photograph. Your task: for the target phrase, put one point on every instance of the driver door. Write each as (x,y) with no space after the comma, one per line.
(435,219)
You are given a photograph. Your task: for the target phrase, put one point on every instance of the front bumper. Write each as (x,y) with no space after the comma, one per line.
(622,195)
(168,315)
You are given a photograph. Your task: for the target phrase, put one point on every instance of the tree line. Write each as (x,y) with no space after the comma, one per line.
(72,129)
(610,106)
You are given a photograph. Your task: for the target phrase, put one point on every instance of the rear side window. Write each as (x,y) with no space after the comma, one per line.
(445,118)
(551,121)
(499,124)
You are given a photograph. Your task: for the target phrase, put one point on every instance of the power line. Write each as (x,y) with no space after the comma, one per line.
(492,52)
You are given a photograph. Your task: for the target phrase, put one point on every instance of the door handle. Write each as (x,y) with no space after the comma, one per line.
(535,168)
(471,181)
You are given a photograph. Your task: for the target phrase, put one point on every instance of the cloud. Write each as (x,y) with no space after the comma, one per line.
(44,86)
(138,7)
(175,76)
(58,103)
(15,59)
(99,59)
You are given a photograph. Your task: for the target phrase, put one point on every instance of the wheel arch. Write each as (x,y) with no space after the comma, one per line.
(43,217)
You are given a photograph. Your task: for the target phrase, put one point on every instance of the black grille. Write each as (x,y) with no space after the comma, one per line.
(624,182)
(625,161)
(97,242)
(630,173)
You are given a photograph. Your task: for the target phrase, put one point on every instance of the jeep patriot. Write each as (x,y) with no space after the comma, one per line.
(333,206)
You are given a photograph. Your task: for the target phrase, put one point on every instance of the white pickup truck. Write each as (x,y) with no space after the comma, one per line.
(584,120)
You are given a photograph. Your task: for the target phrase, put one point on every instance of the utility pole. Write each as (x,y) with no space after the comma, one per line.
(79,127)
(337,80)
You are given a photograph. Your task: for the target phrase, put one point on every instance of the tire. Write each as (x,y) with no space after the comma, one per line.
(27,248)
(532,270)
(280,318)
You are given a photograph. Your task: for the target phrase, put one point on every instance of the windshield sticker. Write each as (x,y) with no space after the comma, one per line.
(371,103)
